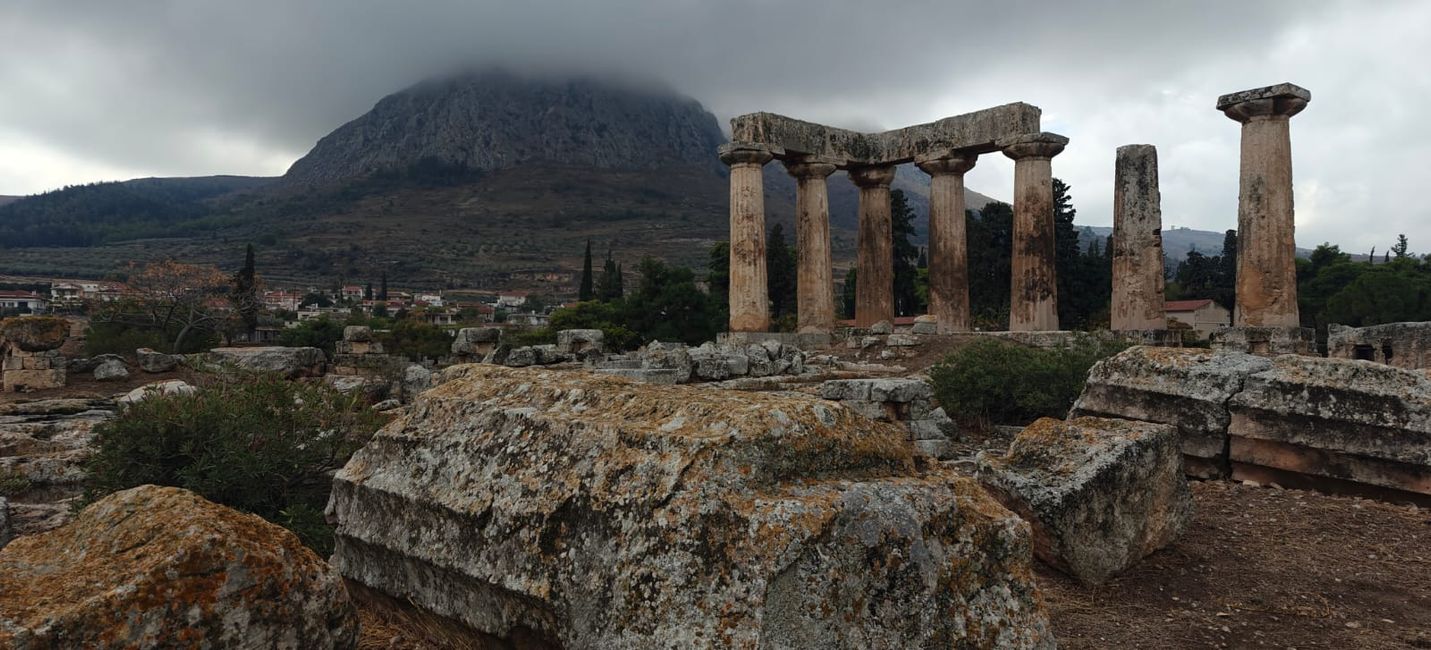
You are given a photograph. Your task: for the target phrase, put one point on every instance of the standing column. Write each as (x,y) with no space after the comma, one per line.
(1266,247)
(815,285)
(948,250)
(874,277)
(749,298)
(1137,241)
(1033,294)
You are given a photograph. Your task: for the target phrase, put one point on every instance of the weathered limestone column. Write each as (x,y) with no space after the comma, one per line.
(749,298)
(1033,299)
(815,295)
(1137,241)
(1266,248)
(948,250)
(874,282)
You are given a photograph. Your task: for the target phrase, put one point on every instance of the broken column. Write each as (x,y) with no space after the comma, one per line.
(874,288)
(1266,249)
(1137,241)
(948,252)
(749,299)
(1033,298)
(815,295)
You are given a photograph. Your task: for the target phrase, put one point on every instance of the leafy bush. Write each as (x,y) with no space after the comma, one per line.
(322,333)
(996,382)
(255,443)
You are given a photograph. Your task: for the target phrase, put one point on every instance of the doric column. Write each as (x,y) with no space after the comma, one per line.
(1033,294)
(874,281)
(1137,241)
(749,298)
(815,286)
(948,250)
(1266,247)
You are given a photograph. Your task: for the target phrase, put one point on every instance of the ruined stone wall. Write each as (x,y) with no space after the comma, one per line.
(1404,345)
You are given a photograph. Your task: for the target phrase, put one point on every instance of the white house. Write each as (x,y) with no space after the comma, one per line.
(22,301)
(1203,316)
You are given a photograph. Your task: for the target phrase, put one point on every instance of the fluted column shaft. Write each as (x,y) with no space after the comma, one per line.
(1266,242)
(1033,295)
(948,247)
(815,297)
(874,282)
(1137,241)
(749,297)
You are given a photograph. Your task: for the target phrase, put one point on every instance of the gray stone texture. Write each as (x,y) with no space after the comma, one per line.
(1100,494)
(580,342)
(1265,341)
(288,362)
(1137,241)
(1404,345)
(595,512)
(111,370)
(154,361)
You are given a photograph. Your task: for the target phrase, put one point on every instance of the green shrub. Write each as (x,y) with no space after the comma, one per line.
(254,443)
(322,333)
(996,382)
(12,482)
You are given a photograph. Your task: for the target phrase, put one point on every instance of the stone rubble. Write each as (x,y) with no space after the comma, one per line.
(287,362)
(592,511)
(152,361)
(1100,493)
(161,567)
(907,402)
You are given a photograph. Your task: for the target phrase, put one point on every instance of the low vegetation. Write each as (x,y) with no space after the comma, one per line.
(991,382)
(255,443)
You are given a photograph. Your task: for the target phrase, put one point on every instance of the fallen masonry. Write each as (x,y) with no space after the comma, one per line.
(904,401)
(1331,424)
(1100,493)
(593,511)
(161,567)
(30,358)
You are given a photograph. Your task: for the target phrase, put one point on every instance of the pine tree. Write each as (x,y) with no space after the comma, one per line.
(906,293)
(587,291)
(780,273)
(245,293)
(368,292)
(1400,249)
(1067,254)
(608,286)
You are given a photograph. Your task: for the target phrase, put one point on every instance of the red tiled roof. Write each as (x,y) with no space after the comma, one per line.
(1186,305)
(28,295)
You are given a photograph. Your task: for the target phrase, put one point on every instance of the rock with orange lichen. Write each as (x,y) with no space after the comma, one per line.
(161,567)
(596,512)
(1100,493)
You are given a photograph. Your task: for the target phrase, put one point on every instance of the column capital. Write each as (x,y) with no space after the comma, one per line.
(808,167)
(946,163)
(1282,100)
(1033,145)
(744,153)
(872,176)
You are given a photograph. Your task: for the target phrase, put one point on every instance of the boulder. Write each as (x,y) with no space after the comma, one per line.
(901,340)
(1100,493)
(157,389)
(713,362)
(153,361)
(475,341)
(415,379)
(35,333)
(358,333)
(1186,387)
(110,370)
(597,512)
(925,324)
(88,364)
(161,567)
(1335,424)
(580,342)
(668,356)
(289,362)
(882,327)
(350,384)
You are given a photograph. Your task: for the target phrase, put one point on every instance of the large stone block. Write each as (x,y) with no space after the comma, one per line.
(1334,423)
(1187,388)
(161,567)
(35,333)
(580,342)
(154,361)
(1100,493)
(1265,341)
(596,512)
(27,380)
(289,362)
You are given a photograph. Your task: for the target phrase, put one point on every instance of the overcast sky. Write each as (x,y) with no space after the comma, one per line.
(106,90)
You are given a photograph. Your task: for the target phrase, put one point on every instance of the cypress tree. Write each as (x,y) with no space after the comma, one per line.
(245,296)
(779,273)
(587,291)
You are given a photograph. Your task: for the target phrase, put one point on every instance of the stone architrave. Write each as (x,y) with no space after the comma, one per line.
(948,248)
(1033,296)
(815,296)
(1266,249)
(1137,241)
(749,296)
(874,288)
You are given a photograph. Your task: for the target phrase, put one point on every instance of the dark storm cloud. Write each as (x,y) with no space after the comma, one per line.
(96,89)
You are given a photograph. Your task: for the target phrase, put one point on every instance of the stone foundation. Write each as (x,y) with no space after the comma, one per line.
(1266,341)
(1404,345)
(905,402)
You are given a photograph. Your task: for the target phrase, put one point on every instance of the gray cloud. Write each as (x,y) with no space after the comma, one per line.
(99,89)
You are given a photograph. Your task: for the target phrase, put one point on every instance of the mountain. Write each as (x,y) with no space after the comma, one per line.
(494,120)
(1178,242)
(480,180)
(9,199)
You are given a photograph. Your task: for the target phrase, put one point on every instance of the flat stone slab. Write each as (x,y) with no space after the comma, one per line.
(1266,92)
(596,512)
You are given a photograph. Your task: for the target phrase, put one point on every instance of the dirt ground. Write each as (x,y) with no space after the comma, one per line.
(84,386)
(1260,567)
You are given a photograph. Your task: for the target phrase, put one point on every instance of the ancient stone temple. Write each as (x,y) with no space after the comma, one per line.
(1265,318)
(945,150)
(1137,241)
